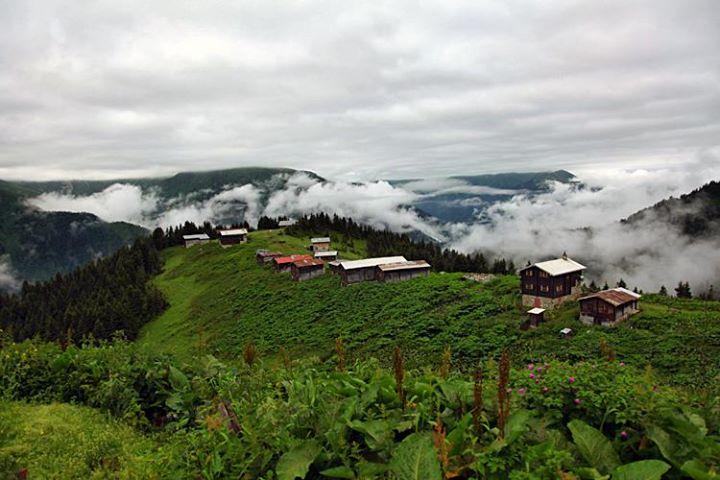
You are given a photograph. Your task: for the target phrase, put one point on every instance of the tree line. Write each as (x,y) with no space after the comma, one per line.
(382,243)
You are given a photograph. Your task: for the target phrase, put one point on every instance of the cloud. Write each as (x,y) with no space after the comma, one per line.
(533,228)
(361,91)
(228,206)
(8,280)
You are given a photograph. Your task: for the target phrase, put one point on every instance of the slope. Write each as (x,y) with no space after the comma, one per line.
(221,300)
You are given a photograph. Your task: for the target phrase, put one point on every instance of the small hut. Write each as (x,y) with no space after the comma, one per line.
(264,257)
(320,244)
(235,236)
(196,239)
(535,317)
(307,269)
(400,271)
(327,256)
(566,332)
(334,267)
(608,307)
(355,271)
(284,264)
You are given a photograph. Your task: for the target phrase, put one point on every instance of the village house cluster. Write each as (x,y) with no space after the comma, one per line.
(546,285)
(227,238)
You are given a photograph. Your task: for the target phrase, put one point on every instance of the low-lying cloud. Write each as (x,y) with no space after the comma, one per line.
(583,220)
(8,280)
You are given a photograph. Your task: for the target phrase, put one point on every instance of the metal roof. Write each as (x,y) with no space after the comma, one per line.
(559,266)
(308,262)
(406,265)
(566,330)
(286,223)
(234,231)
(536,311)
(614,296)
(629,292)
(370,262)
(320,240)
(291,259)
(197,236)
(328,253)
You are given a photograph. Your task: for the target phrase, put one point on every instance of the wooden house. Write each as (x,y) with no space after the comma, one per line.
(320,244)
(307,269)
(334,267)
(196,239)
(399,271)
(355,271)
(264,257)
(228,238)
(284,264)
(608,307)
(548,284)
(327,256)
(535,316)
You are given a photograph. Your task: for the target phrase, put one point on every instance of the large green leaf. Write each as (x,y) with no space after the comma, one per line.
(339,472)
(641,470)
(516,425)
(296,462)
(696,470)
(665,443)
(415,459)
(375,432)
(594,447)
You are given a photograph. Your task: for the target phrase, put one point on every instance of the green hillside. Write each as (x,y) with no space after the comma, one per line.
(221,300)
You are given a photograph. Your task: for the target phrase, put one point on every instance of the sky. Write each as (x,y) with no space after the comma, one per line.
(356,90)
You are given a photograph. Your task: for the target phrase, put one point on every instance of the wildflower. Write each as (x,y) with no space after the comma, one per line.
(577,401)
(537,381)
(571,380)
(532,375)
(545,389)
(509,390)
(622,364)
(521,391)
(623,435)
(530,366)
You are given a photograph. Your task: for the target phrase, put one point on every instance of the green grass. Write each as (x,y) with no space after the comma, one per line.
(221,300)
(65,441)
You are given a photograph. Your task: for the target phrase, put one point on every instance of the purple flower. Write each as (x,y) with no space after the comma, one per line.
(532,375)
(530,366)
(509,390)
(623,435)
(577,401)
(571,380)
(622,364)
(537,381)
(521,391)
(545,389)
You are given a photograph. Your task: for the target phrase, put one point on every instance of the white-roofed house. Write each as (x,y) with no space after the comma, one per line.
(320,244)
(231,237)
(195,239)
(550,283)
(354,271)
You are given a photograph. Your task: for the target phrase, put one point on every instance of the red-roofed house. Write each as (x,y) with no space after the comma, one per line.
(284,264)
(306,269)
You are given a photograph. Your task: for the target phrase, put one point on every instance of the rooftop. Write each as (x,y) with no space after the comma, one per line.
(615,296)
(308,262)
(197,236)
(329,253)
(286,223)
(406,265)
(559,266)
(320,240)
(536,311)
(291,259)
(234,231)
(370,262)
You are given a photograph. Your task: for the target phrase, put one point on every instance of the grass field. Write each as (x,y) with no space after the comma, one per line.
(221,300)
(65,441)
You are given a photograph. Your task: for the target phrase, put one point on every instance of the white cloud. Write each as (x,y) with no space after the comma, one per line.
(8,280)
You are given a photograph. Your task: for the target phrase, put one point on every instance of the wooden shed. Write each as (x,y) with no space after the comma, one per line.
(551,283)
(320,244)
(535,316)
(399,271)
(284,264)
(365,270)
(235,236)
(264,257)
(608,307)
(334,267)
(307,269)
(196,239)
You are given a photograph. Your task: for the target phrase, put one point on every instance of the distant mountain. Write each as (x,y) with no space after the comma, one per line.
(38,244)
(696,214)
(465,198)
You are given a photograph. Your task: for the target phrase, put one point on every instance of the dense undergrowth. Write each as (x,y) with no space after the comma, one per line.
(312,419)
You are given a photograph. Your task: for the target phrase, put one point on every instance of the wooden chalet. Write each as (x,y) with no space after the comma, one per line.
(320,244)
(264,257)
(399,271)
(284,264)
(548,284)
(354,271)
(196,239)
(235,236)
(307,269)
(608,307)
(327,256)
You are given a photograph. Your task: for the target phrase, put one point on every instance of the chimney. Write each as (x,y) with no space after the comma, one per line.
(564,256)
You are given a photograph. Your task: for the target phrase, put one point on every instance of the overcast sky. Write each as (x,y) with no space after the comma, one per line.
(355,90)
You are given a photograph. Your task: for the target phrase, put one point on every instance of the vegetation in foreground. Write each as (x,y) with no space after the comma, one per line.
(311,419)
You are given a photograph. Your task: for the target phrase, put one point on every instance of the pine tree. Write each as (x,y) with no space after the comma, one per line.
(621,284)
(663,291)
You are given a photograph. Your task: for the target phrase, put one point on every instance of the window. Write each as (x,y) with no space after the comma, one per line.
(544,288)
(559,288)
(543,274)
